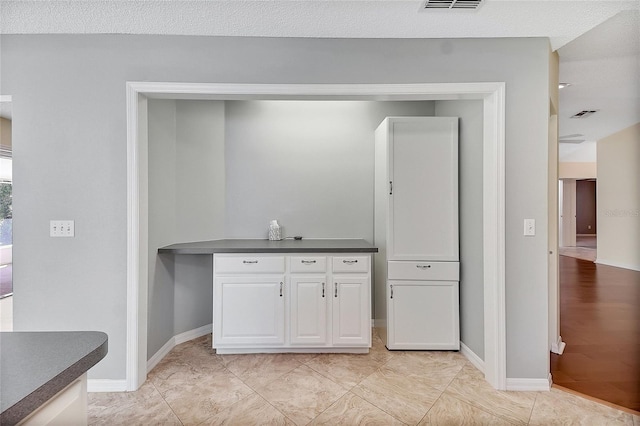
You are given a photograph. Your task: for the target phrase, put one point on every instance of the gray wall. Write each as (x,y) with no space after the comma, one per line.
(200,204)
(72,164)
(470,206)
(186,203)
(162,222)
(308,164)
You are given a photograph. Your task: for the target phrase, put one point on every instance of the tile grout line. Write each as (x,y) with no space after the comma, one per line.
(533,407)
(476,406)
(349,391)
(255,391)
(166,402)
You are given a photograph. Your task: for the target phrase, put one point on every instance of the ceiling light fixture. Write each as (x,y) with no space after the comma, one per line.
(563,85)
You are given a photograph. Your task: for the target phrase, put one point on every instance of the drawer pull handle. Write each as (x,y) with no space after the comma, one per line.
(249,261)
(350,262)
(280,288)
(322,289)
(423,266)
(335,293)
(308,262)
(391,290)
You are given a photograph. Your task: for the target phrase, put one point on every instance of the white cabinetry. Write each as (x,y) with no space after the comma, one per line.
(423,305)
(351,307)
(416,232)
(249,310)
(67,407)
(291,303)
(308,309)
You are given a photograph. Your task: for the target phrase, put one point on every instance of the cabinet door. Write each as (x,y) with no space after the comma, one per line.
(249,310)
(423,315)
(351,311)
(423,193)
(308,303)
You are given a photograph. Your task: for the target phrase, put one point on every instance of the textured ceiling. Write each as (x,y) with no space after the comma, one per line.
(560,20)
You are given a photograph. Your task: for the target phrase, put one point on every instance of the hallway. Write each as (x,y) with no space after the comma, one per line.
(600,323)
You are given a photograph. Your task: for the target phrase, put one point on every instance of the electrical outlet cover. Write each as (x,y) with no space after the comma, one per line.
(61,228)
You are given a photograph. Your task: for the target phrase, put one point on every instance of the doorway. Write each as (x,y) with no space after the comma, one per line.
(578,219)
(493,97)
(586,208)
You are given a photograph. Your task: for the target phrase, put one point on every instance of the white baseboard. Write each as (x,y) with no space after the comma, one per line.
(106,385)
(193,334)
(529,384)
(472,357)
(558,347)
(176,340)
(157,357)
(617,264)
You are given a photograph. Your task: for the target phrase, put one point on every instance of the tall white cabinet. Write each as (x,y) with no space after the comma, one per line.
(416,232)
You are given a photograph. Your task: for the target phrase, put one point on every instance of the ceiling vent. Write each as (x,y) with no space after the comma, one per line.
(451,4)
(585,113)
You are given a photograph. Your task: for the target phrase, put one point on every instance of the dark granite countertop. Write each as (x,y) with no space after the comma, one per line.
(34,366)
(266,246)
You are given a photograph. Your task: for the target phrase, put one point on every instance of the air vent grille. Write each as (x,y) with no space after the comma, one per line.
(452,4)
(585,113)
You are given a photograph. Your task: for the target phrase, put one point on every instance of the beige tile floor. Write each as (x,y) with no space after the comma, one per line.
(193,385)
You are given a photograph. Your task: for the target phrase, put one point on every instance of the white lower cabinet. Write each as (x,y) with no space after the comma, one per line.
(351,310)
(423,315)
(249,310)
(293,305)
(67,408)
(308,309)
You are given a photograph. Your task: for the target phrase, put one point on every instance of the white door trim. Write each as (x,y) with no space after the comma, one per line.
(493,97)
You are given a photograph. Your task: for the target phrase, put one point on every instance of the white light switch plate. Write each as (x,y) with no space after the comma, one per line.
(61,228)
(529,227)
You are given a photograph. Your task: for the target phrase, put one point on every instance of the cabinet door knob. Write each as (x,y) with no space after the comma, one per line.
(249,261)
(335,292)
(391,290)
(281,288)
(423,266)
(308,262)
(322,289)
(350,262)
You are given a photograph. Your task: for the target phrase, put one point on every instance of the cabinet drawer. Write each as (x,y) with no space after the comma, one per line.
(350,264)
(249,264)
(442,271)
(308,264)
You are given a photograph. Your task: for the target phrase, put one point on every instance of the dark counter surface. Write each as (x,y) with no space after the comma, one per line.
(266,246)
(34,366)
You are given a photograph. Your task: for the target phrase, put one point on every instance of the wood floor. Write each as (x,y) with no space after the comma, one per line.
(600,323)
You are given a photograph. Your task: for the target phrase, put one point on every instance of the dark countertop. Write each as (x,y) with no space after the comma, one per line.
(34,366)
(266,246)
